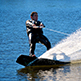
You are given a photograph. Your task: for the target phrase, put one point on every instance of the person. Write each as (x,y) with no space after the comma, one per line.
(35,34)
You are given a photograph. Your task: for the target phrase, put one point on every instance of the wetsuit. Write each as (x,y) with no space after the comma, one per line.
(36,36)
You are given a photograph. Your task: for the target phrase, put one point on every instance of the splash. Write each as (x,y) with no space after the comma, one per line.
(67,50)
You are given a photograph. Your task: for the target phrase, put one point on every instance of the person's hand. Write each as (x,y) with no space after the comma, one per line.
(34,26)
(41,25)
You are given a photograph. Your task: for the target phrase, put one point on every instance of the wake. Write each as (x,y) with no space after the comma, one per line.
(68,50)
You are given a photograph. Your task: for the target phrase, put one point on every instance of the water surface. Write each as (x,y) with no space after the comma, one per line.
(60,15)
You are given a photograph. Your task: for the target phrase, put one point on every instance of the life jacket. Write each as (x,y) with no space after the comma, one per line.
(30,29)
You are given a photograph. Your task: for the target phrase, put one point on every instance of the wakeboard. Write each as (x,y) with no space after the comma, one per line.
(34,61)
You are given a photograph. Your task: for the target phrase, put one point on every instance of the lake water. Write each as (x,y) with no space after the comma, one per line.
(59,15)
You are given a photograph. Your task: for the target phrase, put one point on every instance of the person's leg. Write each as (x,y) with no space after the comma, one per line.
(32,48)
(32,44)
(45,41)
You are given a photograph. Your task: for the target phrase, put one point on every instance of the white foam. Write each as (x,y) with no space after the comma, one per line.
(68,49)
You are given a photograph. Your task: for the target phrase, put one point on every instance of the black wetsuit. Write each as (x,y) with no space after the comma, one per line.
(36,35)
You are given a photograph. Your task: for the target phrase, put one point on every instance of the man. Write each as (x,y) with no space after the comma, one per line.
(35,33)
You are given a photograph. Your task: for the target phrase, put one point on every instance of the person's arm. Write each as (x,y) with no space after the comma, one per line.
(30,24)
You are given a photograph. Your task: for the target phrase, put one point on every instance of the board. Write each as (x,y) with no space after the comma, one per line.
(34,61)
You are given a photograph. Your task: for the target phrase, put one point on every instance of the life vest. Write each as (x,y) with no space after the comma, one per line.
(30,29)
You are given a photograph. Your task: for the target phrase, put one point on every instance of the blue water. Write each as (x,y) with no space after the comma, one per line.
(60,15)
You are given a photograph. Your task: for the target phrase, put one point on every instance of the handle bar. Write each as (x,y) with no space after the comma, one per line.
(38,26)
